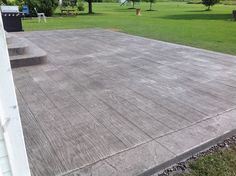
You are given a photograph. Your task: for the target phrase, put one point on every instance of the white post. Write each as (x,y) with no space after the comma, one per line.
(9,113)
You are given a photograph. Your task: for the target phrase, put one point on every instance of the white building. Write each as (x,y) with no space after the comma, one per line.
(13,158)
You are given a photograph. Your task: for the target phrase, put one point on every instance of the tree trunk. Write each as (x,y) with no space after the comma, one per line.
(208,8)
(150,6)
(133,4)
(90,8)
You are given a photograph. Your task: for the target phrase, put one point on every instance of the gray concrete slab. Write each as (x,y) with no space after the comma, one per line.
(108,103)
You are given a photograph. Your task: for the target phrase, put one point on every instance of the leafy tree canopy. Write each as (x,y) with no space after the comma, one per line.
(209,3)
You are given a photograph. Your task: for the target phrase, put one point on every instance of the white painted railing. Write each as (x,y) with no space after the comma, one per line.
(9,114)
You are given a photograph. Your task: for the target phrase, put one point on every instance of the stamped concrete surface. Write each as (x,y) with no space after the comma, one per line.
(112,104)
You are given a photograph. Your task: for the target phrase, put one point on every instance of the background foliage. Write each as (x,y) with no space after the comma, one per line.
(46,6)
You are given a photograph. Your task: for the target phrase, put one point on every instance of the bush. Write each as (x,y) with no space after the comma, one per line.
(45,6)
(80,6)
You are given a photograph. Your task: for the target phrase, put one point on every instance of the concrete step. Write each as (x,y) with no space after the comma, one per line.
(10,38)
(23,52)
(18,47)
(33,55)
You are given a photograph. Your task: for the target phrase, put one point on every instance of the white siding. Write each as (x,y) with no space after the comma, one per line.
(4,159)
(12,140)
(4,162)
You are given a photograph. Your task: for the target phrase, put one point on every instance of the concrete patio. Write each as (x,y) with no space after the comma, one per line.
(108,103)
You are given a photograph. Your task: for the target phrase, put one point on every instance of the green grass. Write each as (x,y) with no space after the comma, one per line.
(175,22)
(221,163)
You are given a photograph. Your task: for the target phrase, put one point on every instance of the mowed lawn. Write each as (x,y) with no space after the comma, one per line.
(175,22)
(220,163)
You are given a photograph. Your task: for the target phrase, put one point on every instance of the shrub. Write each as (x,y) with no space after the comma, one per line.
(45,6)
(209,3)
(80,6)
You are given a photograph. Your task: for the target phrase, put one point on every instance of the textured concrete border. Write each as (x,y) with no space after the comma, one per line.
(188,154)
(219,121)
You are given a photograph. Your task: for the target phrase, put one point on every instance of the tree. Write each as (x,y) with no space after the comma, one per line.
(151,2)
(90,6)
(133,2)
(209,3)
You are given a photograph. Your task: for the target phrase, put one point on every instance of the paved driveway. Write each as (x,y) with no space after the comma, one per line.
(108,103)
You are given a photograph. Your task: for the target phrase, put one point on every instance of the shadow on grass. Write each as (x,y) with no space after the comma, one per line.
(150,10)
(196,11)
(78,14)
(57,16)
(91,14)
(199,17)
(124,10)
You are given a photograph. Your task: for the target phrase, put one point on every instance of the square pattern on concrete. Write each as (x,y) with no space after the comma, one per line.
(108,103)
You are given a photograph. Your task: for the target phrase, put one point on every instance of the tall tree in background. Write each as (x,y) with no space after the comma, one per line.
(209,3)
(133,2)
(151,2)
(90,6)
